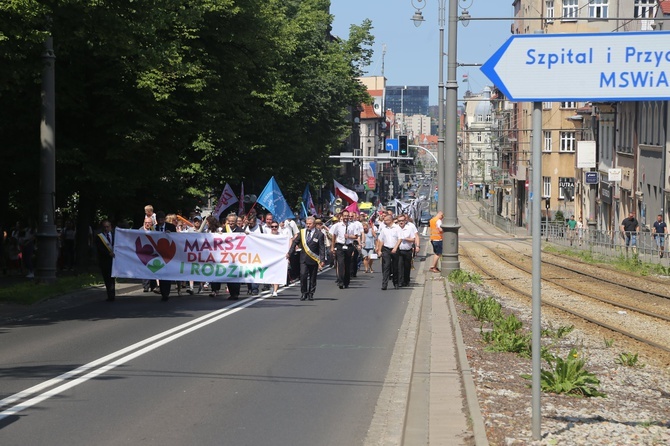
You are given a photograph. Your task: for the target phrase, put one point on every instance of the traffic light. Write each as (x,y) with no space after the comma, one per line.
(402,145)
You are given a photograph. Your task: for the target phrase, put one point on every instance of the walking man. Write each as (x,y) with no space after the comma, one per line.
(409,244)
(659,230)
(341,248)
(312,257)
(572,229)
(104,245)
(388,242)
(162,226)
(436,239)
(629,229)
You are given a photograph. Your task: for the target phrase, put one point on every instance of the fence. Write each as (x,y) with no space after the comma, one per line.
(604,243)
(505,224)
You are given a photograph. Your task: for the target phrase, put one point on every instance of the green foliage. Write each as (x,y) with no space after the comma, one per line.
(609,343)
(487,310)
(569,376)
(467,296)
(461,277)
(559,217)
(164,102)
(505,337)
(558,333)
(628,360)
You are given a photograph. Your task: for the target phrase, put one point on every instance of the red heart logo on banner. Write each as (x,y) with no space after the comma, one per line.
(144,252)
(166,249)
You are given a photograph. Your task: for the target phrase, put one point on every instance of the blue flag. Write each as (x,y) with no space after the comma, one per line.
(308,207)
(273,200)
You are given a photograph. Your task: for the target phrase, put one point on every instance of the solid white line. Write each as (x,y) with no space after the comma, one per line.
(79,370)
(46,395)
(161,339)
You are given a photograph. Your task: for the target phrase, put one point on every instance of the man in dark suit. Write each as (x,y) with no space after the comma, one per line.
(104,245)
(312,257)
(163,226)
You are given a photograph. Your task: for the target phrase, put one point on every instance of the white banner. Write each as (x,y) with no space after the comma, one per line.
(202,257)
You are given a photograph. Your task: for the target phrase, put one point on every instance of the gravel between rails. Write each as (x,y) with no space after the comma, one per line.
(636,410)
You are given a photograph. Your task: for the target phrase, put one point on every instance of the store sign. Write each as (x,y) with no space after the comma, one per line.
(606,193)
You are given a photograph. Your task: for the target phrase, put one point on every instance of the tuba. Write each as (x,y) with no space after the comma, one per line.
(338,205)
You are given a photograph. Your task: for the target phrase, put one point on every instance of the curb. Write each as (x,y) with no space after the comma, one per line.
(472,402)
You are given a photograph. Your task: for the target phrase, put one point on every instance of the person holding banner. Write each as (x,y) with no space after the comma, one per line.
(163,226)
(312,257)
(231,226)
(104,244)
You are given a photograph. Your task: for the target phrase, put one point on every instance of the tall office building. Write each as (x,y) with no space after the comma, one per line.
(407,100)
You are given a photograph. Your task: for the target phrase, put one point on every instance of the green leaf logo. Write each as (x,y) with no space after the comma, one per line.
(155,265)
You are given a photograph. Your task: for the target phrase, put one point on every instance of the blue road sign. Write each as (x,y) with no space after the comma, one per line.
(624,66)
(591,178)
(391,145)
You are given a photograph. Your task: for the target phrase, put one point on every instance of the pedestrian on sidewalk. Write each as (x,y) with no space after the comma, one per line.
(436,239)
(659,230)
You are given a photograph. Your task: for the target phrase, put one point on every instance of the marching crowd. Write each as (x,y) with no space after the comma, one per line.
(346,241)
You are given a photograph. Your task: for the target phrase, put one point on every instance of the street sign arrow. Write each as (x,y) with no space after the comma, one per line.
(583,67)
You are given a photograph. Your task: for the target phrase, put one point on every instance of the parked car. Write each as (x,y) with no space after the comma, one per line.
(424,220)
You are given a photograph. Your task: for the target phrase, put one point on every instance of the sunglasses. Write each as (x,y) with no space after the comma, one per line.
(274,227)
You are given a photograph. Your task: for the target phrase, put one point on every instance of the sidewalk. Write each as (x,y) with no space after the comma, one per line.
(429,395)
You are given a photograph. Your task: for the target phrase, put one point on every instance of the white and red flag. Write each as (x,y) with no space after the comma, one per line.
(226,200)
(348,195)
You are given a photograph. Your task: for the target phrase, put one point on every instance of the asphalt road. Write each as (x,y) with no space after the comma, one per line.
(194,370)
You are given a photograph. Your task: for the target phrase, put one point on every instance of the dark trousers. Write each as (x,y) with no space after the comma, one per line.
(308,278)
(233,288)
(404,266)
(110,283)
(389,267)
(294,266)
(354,261)
(164,286)
(343,259)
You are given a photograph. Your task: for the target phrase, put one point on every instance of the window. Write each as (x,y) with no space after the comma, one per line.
(568,142)
(598,9)
(479,137)
(488,117)
(569,104)
(546,187)
(550,10)
(546,147)
(546,105)
(480,118)
(644,8)
(570,9)
(566,188)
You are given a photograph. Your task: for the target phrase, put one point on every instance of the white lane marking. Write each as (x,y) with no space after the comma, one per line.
(46,395)
(201,322)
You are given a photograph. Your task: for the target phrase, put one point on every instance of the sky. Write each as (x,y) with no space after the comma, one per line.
(412,54)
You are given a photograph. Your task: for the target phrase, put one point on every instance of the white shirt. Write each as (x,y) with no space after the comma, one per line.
(293,226)
(354,228)
(338,230)
(389,235)
(409,231)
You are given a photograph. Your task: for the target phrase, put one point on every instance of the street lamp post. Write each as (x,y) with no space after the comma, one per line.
(447,149)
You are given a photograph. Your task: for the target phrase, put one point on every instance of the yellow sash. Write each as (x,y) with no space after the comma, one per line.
(310,253)
(105,242)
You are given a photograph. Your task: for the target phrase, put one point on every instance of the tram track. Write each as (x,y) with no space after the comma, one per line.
(650,321)
(617,315)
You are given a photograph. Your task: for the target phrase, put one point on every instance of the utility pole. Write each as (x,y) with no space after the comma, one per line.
(46,231)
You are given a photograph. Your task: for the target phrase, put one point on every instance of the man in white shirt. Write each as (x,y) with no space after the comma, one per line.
(341,248)
(388,242)
(409,244)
